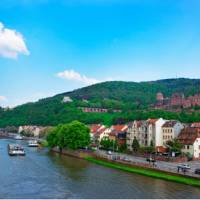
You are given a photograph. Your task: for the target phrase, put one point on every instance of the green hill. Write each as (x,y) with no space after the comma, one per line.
(132,98)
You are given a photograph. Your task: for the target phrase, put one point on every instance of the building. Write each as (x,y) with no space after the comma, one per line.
(138,130)
(147,132)
(67,99)
(95,130)
(170,130)
(154,132)
(190,139)
(31,130)
(195,125)
(177,100)
(118,133)
(94,110)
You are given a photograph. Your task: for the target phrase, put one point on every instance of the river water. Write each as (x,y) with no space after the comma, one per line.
(41,174)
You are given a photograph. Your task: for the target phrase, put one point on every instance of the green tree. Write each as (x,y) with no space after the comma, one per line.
(122,148)
(52,138)
(75,135)
(108,144)
(174,146)
(135,145)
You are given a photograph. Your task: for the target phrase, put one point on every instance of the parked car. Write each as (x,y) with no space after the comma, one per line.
(184,166)
(127,159)
(150,159)
(197,171)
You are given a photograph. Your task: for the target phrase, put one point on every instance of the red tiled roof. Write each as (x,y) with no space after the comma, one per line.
(94,127)
(189,135)
(119,127)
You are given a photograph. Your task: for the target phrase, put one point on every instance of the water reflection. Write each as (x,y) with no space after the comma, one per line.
(71,167)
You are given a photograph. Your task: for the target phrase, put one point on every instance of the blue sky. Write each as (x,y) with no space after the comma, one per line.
(48,46)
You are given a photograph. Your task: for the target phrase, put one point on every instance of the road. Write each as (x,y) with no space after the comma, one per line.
(166,166)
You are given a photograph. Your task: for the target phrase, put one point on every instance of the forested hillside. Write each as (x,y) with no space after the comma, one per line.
(132,98)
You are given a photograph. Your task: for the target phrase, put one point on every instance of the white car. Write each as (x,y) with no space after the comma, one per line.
(109,152)
(184,166)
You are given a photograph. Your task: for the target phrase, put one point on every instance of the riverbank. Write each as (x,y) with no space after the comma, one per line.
(146,172)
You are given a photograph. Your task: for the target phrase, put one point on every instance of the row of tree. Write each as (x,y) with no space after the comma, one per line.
(74,135)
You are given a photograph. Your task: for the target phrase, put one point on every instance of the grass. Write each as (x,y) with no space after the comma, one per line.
(147,172)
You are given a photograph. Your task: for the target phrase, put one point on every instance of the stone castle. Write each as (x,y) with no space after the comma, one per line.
(177,100)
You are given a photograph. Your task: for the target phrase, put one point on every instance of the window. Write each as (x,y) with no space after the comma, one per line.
(188,146)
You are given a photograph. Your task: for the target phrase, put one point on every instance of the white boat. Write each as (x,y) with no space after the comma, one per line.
(33,143)
(18,137)
(15,150)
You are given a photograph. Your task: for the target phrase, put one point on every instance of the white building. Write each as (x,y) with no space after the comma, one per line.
(154,134)
(67,99)
(31,130)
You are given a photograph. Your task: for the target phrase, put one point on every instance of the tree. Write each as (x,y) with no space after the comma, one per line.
(174,146)
(122,148)
(135,145)
(73,135)
(52,138)
(151,144)
(106,143)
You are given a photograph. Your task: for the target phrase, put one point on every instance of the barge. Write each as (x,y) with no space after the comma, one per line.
(16,150)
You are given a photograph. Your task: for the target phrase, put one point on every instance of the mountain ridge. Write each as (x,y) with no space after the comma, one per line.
(133,98)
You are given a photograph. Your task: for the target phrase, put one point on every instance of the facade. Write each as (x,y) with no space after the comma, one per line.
(95,130)
(155,132)
(170,130)
(195,125)
(94,110)
(138,130)
(67,99)
(177,100)
(118,133)
(190,139)
(147,132)
(31,130)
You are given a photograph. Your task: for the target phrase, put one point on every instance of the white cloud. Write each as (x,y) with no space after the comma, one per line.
(11,43)
(2,98)
(75,76)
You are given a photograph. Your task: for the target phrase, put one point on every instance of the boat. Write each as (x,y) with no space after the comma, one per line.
(18,137)
(33,143)
(15,150)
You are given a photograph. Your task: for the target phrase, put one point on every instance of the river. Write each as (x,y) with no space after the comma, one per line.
(43,174)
